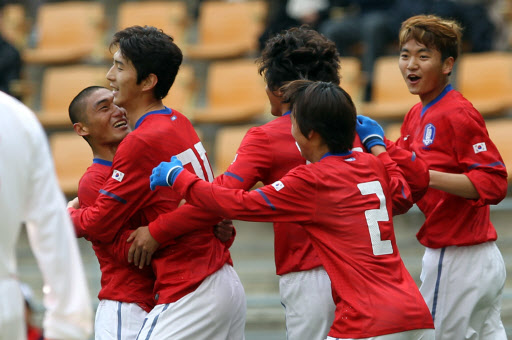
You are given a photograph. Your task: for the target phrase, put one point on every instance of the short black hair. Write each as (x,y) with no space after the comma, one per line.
(151,51)
(299,53)
(323,107)
(77,106)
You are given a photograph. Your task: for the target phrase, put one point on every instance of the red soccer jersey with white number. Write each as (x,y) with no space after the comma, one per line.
(158,135)
(344,204)
(120,280)
(449,134)
(266,154)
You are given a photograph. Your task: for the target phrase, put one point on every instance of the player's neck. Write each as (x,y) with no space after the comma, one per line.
(140,108)
(105,152)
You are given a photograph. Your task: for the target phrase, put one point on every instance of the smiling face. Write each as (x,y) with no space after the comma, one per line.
(423,70)
(105,122)
(123,80)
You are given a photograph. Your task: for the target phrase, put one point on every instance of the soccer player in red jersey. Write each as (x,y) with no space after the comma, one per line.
(463,271)
(197,292)
(343,201)
(126,294)
(266,154)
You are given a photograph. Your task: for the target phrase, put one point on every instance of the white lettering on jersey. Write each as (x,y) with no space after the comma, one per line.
(118,175)
(479,147)
(278,185)
(358,149)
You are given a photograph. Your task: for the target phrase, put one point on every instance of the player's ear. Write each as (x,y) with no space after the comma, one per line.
(448,65)
(81,129)
(150,82)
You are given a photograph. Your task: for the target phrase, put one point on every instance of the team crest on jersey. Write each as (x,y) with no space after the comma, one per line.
(278,185)
(118,175)
(479,147)
(429,134)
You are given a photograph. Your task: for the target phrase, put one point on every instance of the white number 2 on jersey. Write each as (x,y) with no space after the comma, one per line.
(188,156)
(373,216)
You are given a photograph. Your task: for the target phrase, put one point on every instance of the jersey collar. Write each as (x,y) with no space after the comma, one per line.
(342,154)
(447,89)
(286,113)
(101,161)
(165,111)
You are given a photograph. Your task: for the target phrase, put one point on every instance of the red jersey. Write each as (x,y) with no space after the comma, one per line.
(120,280)
(266,154)
(344,204)
(157,136)
(449,134)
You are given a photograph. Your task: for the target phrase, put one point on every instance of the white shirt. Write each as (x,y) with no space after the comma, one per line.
(29,193)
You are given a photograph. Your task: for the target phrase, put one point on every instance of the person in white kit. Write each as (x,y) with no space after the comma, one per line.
(29,193)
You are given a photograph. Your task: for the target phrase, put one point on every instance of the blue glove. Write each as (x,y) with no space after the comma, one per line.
(165,173)
(370,132)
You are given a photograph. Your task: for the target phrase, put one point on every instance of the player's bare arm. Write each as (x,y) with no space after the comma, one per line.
(455,184)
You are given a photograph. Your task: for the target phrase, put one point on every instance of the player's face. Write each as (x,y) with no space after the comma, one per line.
(274,97)
(302,142)
(106,122)
(123,80)
(423,70)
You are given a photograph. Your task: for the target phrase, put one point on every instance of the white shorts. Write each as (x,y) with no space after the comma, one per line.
(308,303)
(118,320)
(415,334)
(214,311)
(12,310)
(463,289)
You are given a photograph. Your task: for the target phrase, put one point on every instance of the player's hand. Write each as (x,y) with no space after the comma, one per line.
(142,248)
(370,132)
(74,203)
(165,173)
(224,230)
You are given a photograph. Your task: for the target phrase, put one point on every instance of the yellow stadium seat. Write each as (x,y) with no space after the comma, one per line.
(227,141)
(228,29)
(170,16)
(71,155)
(390,97)
(60,85)
(182,93)
(485,79)
(235,93)
(351,77)
(499,130)
(68,32)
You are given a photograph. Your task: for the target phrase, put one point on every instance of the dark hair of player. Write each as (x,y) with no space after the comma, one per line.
(325,108)
(299,53)
(150,50)
(77,106)
(433,32)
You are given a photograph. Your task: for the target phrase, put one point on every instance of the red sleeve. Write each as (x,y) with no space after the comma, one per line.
(249,166)
(294,202)
(483,163)
(121,196)
(414,169)
(399,189)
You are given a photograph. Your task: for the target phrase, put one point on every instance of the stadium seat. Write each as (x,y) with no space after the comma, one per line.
(235,93)
(69,31)
(390,97)
(182,93)
(71,155)
(351,77)
(227,141)
(500,130)
(228,29)
(485,79)
(171,17)
(60,85)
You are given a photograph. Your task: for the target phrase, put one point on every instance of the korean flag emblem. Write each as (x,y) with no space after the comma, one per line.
(278,185)
(429,134)
(118,175)
(479,147)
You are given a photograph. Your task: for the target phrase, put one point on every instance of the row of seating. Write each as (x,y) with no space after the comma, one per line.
(75,31)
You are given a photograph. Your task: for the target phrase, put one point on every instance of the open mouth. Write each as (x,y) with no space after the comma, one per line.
(120,123)
(413,77)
